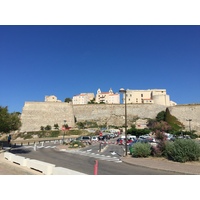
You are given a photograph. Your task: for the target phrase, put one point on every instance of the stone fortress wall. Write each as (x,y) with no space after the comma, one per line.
(185,112)
(37,114)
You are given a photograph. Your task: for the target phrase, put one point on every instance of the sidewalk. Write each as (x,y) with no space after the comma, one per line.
(190,168)
(9,168)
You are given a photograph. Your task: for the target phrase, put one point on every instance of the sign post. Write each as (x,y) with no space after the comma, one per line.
(63,129)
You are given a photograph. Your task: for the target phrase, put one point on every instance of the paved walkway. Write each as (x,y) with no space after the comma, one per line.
(190,168)
(9,168)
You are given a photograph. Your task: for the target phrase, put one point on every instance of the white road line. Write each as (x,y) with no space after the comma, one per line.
(98,156)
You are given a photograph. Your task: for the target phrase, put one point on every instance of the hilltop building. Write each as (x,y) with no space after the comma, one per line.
(150,96)
(107,97)
(51,98)
(82,98)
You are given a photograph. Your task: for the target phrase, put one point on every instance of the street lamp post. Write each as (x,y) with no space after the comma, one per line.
(189,120)
(123,91)
(64,128)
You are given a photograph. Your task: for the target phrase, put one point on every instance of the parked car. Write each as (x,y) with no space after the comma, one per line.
(131,137)
(184,137)
(147,137)
(112,135)
(84,138)
(104,137)
(94,138)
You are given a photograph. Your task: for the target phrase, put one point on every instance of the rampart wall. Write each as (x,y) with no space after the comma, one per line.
(114,114)
(185,112)
(37,114)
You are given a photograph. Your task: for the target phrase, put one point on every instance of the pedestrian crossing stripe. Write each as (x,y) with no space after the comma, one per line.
(98,156)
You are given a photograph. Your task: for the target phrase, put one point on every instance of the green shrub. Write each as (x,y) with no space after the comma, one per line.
(28,136)
(141,150)
(54,133)
(182,150)
(76,144)
(159,149)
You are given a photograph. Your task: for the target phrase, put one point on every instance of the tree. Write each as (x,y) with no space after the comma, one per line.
(173,121)
(161,116)
(92,101)
(137,132)
(165,122)
(80,125)
(67,100)
(56,126)
(159,125)
(9,121)
(48,128)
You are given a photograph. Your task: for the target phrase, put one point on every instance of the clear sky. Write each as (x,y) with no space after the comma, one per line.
(66,60)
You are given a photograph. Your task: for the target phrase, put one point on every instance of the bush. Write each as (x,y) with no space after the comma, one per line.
(156,151)
(182,150)
(76,144)
(54,134)
(141,150)
(159,149)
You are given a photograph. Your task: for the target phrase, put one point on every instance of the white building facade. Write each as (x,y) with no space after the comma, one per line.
(107,97)
(51,98)
(82,98)
(150,96)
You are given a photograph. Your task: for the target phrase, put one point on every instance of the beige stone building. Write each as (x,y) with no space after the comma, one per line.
(51,98)
(82,98)
(150,96)
(107,97)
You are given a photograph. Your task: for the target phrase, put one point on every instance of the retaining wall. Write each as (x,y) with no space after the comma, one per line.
(37,114)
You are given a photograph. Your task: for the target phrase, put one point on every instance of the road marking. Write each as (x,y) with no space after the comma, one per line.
(89,154)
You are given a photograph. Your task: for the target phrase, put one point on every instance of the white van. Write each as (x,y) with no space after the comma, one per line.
(132,137)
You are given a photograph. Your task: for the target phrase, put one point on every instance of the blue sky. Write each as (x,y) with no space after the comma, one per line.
(64,61)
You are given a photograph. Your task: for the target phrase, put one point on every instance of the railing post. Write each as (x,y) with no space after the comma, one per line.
(100,147)
(35,147)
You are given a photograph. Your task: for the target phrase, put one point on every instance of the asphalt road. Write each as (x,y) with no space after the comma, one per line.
(84,160)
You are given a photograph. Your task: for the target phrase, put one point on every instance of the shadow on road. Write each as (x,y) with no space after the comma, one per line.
(15,149)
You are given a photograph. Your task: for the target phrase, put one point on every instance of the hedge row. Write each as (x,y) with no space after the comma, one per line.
(181,150)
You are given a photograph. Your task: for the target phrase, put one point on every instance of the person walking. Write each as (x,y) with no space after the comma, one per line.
(9,139)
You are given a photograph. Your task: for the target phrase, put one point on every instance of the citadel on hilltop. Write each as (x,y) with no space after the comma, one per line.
(106,109)
(150,96)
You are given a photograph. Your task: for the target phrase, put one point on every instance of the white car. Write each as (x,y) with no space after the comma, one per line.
(94,138)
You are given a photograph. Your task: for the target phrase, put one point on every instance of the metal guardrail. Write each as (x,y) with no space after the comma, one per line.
(39,140)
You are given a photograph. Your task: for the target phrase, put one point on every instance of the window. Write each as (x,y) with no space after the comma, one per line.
(141,95)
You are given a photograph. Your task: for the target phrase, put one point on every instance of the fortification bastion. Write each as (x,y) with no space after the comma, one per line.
(37,114)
